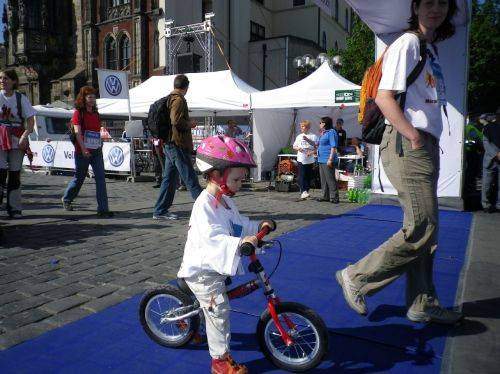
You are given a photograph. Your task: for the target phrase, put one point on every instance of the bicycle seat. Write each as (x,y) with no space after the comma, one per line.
(181,283)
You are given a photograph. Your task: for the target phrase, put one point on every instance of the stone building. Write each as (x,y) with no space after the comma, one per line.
(56,45)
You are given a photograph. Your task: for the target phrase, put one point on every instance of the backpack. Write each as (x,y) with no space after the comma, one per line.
(158,123)
(370,116)
(71,130)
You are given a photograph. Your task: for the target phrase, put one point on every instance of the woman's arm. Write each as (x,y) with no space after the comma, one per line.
(392,111)
(30,125)
(79,140)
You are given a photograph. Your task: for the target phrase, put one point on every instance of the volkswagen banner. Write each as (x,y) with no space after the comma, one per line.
(113,84)
(61,155)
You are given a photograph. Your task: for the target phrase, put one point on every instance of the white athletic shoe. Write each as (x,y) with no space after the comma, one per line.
(351,293)
(304,195)
(167,216)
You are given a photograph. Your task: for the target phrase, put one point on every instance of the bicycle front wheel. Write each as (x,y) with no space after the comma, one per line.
(309,334)
(164,301)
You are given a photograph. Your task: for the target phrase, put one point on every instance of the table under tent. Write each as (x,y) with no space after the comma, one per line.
(277,113)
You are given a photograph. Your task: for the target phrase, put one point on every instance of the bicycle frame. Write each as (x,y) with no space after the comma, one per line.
(243,290)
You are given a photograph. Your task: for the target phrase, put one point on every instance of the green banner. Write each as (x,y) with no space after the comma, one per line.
(346,96)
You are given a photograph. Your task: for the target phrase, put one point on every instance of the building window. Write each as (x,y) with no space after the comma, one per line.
(323,40)
(156,50)
(110,53)
(299,2)
(137,46)
(119,2)
(346,20)
(337,10)
(257,32)
(124,52)
(34,14)
(260,2)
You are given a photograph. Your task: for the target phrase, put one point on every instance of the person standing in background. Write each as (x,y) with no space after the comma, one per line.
(88,151)
(305,145)
(491,165)
(327,158)
(342,135)
(17,120)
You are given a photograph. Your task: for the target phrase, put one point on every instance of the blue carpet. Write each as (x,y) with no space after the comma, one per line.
(113,340)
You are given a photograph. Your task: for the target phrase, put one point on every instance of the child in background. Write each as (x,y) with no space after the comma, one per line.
(216,231)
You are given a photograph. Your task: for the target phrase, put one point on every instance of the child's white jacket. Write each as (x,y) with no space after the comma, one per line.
(214,237)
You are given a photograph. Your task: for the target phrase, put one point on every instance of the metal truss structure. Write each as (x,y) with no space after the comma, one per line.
(176,36)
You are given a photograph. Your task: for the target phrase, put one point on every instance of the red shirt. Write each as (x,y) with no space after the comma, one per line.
(91,122)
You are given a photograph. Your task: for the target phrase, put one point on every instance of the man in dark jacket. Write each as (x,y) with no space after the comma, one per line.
(491,164)
(177,152)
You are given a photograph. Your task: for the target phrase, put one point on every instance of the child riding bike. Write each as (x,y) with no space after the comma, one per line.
(216,231)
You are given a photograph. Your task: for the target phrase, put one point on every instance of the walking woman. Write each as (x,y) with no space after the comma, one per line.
(327,157)
(410,155)
(88,151)
(17,119)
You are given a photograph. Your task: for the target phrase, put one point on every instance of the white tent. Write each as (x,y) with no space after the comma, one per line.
(277,113)
(388,18)
(220,93)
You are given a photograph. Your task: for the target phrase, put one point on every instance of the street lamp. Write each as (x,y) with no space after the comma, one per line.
(307,63)
(336,62)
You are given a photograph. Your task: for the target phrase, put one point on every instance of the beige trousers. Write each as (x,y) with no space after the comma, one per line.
(210,290)
(411,250)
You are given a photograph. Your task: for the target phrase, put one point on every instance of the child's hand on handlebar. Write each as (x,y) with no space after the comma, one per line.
(270,223)
(251,239)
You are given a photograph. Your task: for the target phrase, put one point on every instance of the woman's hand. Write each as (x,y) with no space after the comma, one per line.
(86,153)
(416,140)
(329,163)
(23,142)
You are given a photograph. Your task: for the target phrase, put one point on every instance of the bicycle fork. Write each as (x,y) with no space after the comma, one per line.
(272,300)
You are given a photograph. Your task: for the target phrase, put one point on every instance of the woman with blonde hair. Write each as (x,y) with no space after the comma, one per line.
(88,151)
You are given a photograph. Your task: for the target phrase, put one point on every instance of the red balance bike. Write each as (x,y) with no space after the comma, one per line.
(291,335)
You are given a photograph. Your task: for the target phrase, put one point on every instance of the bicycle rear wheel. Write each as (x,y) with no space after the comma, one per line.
(310,337)
(160,302)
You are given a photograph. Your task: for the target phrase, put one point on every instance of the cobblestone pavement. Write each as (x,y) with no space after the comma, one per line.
(57,267)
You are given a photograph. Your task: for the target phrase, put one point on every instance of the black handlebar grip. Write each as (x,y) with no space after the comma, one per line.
(247,249)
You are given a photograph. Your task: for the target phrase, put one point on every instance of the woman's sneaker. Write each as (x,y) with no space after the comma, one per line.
(304,195)
(352,295)
(167,216)
(15,214)
(66,205)
(435,314)
(106,214)
(227,365)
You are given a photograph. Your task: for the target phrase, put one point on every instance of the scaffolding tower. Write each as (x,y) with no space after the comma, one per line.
(176,36)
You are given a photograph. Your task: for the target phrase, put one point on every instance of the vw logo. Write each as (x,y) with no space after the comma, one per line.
(116,156)
(48,153)
(113,85)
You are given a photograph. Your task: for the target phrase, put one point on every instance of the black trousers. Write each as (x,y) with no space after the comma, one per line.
(305,175)
(328,182)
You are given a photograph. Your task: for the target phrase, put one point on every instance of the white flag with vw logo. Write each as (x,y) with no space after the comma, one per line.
(113,84)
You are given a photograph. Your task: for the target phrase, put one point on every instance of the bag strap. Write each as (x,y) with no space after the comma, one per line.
(19,106)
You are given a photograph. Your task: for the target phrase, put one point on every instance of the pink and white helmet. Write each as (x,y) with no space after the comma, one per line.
(221,152)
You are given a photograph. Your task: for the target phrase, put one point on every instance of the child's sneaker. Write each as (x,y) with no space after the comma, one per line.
(227,365)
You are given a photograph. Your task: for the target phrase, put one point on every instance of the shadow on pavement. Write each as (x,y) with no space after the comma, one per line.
(63,233)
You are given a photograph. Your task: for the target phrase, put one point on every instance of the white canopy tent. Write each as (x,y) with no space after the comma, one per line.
(277,113)
(388,18)
(219,93)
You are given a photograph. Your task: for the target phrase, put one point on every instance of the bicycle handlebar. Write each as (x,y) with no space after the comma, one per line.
(247,249)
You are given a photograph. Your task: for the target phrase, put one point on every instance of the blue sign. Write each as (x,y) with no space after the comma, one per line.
(113,85)
(48,153)
(116,156)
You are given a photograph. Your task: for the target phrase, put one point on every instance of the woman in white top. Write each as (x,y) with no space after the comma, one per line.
(17,119)
(410,155)
(305,145)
